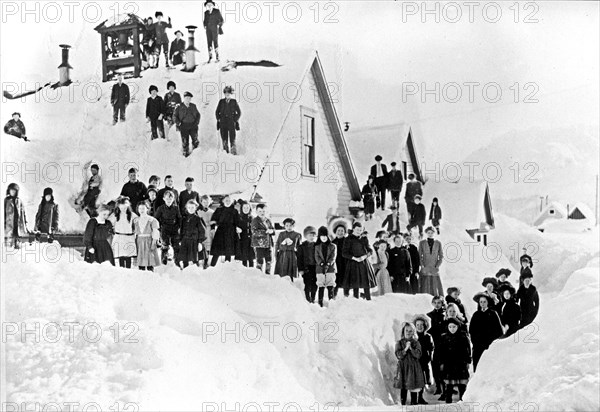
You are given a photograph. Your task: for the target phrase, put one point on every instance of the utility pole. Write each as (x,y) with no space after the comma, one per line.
(541,203)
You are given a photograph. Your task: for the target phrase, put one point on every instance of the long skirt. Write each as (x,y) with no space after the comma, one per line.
(383,282)
(286,264)
(147,252)
(124,246)
(409,375)
(188,251)
(359,275)
(431,284)
(102,253)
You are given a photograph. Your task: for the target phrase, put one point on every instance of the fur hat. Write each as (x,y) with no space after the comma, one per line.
(48,191)
(12,186)
(153,87)
(289,220)
(528,258)
(426,320)
(95,166)
(309,229)
(480,295)
(526,273)
(323,231)
(171,83)
(452,289)
(491,280)
(504,271)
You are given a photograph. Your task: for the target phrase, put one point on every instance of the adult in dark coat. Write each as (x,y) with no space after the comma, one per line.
(15,221)
(485,327)
(422,324)
(172,100)
(226,218)
(46,219)
(392,221)
(415,261)
(437,316)
(119,99)
(340,260)
(359,273)
(187,119)
(380,173)
(228,116)
(399,266)
(155,111)
(213,20)
(413,188)
(455,357)
(162,40)
(417,216)
(370,196)
(395,180)
(15,127)
(510,311)
(135,190)
(528,299)
(245,251)
(177,52)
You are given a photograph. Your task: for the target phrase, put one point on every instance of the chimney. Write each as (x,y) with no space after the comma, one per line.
(190,52)
(64,70)
(568,210)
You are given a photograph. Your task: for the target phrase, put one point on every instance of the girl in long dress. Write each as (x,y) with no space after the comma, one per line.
(245,251)
(409,375)
(123,243)
(380,265)
(285,250)
(147,238)
(206,213)
(98,237)
(359,271)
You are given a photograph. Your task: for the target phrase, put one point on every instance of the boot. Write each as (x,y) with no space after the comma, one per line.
(321,293)
(167,60)
(449,392)
(268,268)
(210,56)
(217,55)
(403,396)
(330,293)
(422,400)
(307,294)
(164,256)
(461,391)
(414,398)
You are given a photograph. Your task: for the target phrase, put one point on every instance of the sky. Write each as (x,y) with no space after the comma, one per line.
(542,57)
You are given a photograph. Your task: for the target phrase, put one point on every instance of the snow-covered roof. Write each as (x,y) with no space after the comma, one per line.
(123,19)
(584,209)
(560,213)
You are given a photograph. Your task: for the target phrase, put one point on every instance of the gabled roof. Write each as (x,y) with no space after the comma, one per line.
(584,209)
(562,212)
(389,141)
(119,21)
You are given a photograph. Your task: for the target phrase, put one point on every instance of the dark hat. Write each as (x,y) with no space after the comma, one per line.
(188,94)
(158,13)
(289,220)
(507,286)
(178,31)
(171,83)
(48,191)
(228,89)
(487,280)
(378,158)
(429,229)
(435,199)
(426,320)
(323,231)
(526,273)
(12,186)
(153,87)
(132,170)
(393,164)
(209,1)
(95,166)
(504,271)
(454,321)
(480,295)
(16,113)
(189,180)
(309,229)
(451,290)
(527,257)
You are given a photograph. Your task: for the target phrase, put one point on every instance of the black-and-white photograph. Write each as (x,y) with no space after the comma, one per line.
(299,206)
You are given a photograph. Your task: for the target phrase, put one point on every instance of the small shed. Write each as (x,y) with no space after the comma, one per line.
(553,210)
(121,44)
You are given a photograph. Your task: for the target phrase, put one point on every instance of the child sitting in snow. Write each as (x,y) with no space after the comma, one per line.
(147,238)
(380,264)
(15,126)
(97,238)
(46,219)
(286,263)
(307,265)
(192,236)
(409,375)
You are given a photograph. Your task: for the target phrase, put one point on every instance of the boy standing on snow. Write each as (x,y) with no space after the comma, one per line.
(325,258)
(262,238)
(228,116)
(172,100)
(169,187)
(46,219)
(307,265)
(162,40)
(155,111)
(188,194)
(119,99)
(413,188)
(395,182)
(15,126)
(169,219)
(212,24)
(135,190)
(187,119)
(380,174)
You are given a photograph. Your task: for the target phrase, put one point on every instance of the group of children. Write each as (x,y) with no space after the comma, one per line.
(439,347)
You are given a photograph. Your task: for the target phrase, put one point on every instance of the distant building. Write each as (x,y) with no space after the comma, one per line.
(552,211)
(581,211)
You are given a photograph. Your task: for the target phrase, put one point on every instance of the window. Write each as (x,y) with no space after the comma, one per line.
(551,211)
(308,145)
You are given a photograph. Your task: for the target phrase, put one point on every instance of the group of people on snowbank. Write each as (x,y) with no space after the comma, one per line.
(381,180)
(439,347)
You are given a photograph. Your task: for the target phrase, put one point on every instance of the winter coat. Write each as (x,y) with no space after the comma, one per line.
(382,276)
(435,214)
(409,374)
(213,20)
(427,350)
(287,261)
(160,196)
(46,219)
(485,328)
(149,34)
(326,262)
(185,197)
(418,215)
(455,356)
(226,237)
(529,301)
(395,181)
(306,255)
(457,302)
(119,95)
(462,327)
(228,113)
(369,193)
(206,216)
(172,100)
(260,237)
(510,315)
(192,234)
(160,28)
(358,274)
(15,128)
(415,258)
(413,188)
(392,224)
(188,116)
(155,106)
(431,260)
(244,245)
(136,192)
(14,217)
(384,171)
(169,218)
(340,261)
(400,269)
(177,46)
(99,237)
(437,324)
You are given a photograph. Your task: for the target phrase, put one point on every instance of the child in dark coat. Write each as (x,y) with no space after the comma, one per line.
(172,100)
(98,238)
(177,51)
(453,296)
(15,126)
(192,236)
(422,324)
(46,219)
(162,40)
(417,216)
(226,218)
(325,258)
(400,266)
(369,193)
(155,111)
(510,311)
(409,376)
(437,316)
(307,265)
(169,219)
(455,357)
(435,214)
(485,327)
(340,260)
(415,262)
(262,231)
(285,250)
(244,251)
(528,299)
